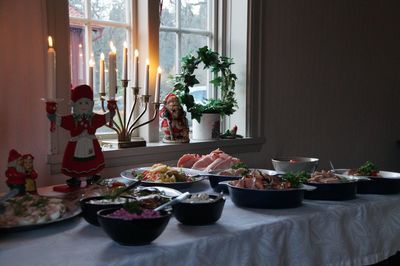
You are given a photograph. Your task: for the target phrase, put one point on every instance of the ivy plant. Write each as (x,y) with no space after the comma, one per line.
(223,79)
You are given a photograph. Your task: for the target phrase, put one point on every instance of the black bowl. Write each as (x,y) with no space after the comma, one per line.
(332,191)
(215,179)
(379,185)
(200,213)
(133,232)
(266,198)
(89,210)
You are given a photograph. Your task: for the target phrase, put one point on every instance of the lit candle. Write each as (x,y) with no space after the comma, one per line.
(102,76)
(125,62)
(146,78)
(158,82)
(80,64)
(136,84)
(91,67)
(112,70)
(51,70)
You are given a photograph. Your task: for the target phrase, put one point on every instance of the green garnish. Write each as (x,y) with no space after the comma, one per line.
(367,169)
(295,179)
(243,166)
(133,207)
(40,202)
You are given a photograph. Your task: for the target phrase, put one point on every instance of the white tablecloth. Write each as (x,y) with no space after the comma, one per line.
(357,232)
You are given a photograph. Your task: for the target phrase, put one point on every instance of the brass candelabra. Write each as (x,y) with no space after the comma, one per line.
(125,125)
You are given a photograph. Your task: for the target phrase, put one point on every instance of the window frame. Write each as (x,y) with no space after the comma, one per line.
(159,152)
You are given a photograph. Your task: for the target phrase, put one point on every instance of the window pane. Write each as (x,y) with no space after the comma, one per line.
(114,10)
(101,44)
(168,13)
(76,8)
(190,44)
(77,54)
(167,60)
(194,14)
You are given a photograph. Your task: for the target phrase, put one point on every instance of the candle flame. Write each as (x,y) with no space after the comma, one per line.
(80,45)
(125,44)
(50,40)
(91,63)
(136,53)
(112,47)
(147,62)
(159,70)
(102,56)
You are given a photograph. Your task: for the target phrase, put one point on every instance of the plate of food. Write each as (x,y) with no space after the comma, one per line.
(29,212)
(165,176)
(330,186)
(374,181)
(266,190)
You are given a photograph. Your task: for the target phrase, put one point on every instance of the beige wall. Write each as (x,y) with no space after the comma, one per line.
(331,81)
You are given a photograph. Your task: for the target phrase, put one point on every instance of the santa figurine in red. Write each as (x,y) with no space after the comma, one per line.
(15,172)
(82,156)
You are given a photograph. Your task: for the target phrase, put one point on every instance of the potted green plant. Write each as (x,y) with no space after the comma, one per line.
(209,111)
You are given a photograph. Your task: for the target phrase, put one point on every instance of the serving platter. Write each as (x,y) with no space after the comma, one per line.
(197,175)
(386,183)
(345,190)
(71,213)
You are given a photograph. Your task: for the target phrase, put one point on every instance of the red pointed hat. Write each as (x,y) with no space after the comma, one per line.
(81,91)
(169,96)
(13,155)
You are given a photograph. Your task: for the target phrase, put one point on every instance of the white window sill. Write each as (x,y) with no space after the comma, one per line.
(161,152)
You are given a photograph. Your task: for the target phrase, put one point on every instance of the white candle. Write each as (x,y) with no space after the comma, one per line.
(91,68)
(125,62)
(102,76)
(146,78)
(158,84)
(80,64)
(112,68)
(136,78)
(51,70)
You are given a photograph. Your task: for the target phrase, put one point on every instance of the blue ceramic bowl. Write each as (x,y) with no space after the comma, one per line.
(199,213)
(133,232)
(267,198)
(89,210)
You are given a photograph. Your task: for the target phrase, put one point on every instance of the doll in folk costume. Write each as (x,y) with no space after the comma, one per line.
(174,123)
(30,174)
(82,156)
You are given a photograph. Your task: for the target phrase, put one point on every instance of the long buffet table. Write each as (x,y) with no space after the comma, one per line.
(362,231)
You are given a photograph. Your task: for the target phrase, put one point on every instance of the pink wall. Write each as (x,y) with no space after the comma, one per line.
(22,72)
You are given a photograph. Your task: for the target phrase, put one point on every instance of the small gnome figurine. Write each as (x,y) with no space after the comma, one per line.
(82,156)
(174,123)
(30,174)
(15,172)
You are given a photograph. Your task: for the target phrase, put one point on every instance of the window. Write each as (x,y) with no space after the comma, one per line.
(186,25)
(230,31)
(93,25)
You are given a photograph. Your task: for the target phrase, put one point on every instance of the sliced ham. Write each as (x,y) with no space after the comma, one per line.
(203,162)
(187,160)
(215,161)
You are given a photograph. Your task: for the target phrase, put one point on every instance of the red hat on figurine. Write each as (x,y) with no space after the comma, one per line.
(13,155)
(169,96)
(81,91)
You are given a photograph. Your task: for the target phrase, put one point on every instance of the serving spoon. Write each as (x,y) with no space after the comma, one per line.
(174,201)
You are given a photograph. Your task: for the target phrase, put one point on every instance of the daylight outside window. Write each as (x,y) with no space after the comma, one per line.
(186,25)
(93,24)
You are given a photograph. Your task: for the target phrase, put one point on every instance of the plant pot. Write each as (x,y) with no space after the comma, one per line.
(208,128)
